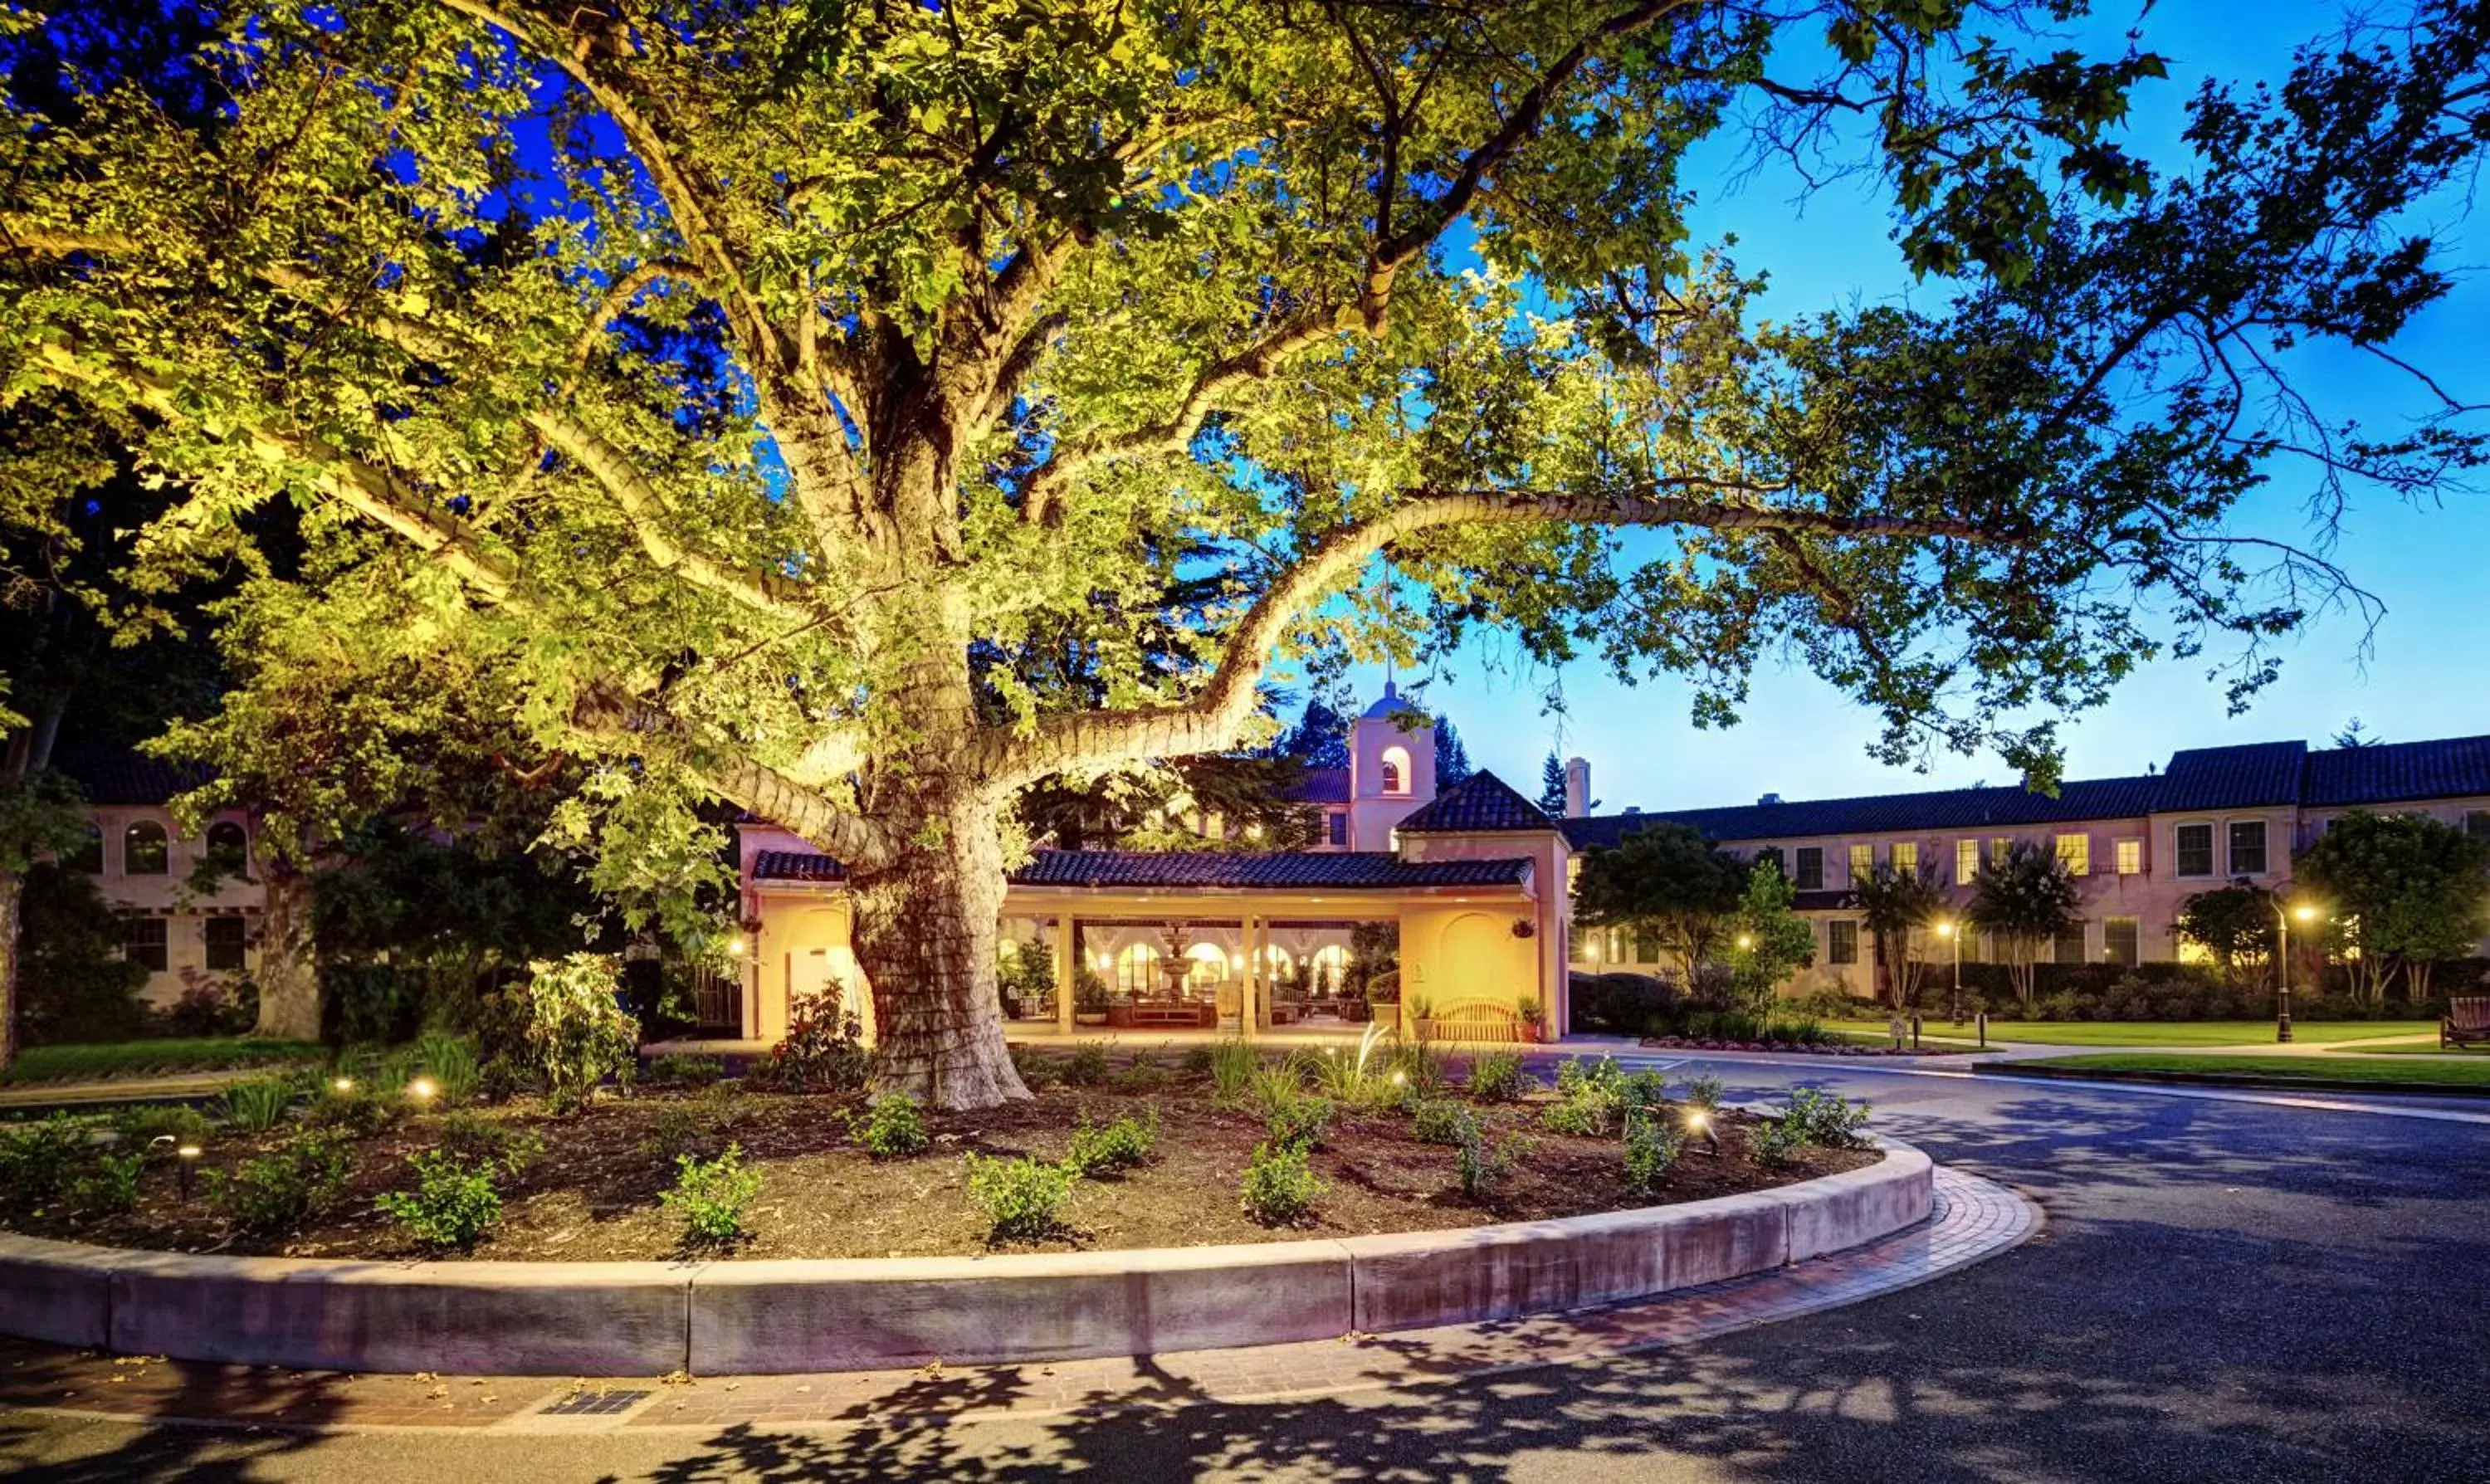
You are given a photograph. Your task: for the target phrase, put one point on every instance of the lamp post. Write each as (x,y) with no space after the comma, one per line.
(1949,931)
(2283,952)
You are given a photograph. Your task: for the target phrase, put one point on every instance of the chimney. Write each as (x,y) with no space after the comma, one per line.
(1577,788)
(1770,798)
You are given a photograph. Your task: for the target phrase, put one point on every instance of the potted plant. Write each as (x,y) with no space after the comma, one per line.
(1534,1021)
(1090,1005)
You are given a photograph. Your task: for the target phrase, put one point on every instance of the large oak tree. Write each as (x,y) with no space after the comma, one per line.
(725,378)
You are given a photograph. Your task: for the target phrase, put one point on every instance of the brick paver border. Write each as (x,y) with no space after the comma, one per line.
(1974,1219)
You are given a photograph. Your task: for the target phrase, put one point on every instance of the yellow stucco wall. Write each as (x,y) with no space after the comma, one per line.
(1461,953)
(805,945)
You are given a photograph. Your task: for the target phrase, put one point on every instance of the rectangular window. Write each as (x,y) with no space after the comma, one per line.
(2193,847)
(1646,946)
(2119,942)
(1906,858)
(1336,827)
(1966,862)
(2477,823)
(2071,946)
(224,937)
(1811,868)
(2247,847)
(142,943)
(1862,859)
(2077,851)
(2131,857)
(1841,942)
(1997,849)
(1773,854)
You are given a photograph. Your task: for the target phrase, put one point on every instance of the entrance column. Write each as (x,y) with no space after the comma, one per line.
(1247,1022)
(1067,970)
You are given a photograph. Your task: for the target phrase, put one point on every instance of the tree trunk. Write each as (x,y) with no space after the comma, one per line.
(289,969)
(12,892)
(925,937)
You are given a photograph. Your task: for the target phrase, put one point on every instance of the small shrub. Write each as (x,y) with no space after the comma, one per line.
(892,1127)
(1441,1120)
(824,1051)
(359,1114)
(1418,1070)
(1821,1117)
(712,1196)
(1144,1075)
(1126,1144)
(1038,1072)
(1274,1084)
(1482,1165)
(39,1160)
(256,1106)
(1280,1184)
(1576,1076)
(1587,1112)
(1774,1145)
(450,1061)
(1196,1061)
(1233,1067)
(110,1184)
(685,1071)
(1497,1078)
(453,1203)
(1301,1122)
(1645,1088)
(1704,1093)
(178,1121)
(578,1034)
(1652,1146)
(480,1140)
(675,1131)
(277,1192)
(1021,1197)
(1086,1066)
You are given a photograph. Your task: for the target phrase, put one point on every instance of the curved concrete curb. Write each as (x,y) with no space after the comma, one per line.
(624,1319)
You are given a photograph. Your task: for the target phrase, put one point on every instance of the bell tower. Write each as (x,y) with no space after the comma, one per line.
(1391,769)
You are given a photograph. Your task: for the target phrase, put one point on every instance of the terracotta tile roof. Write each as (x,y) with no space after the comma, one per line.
(794,866)
(1134,869)
(1962,808)
(1288,870)
(110,774)
(2232,778)
(2388,772)
(1481,803)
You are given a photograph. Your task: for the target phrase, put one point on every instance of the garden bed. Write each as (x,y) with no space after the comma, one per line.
(594,1192)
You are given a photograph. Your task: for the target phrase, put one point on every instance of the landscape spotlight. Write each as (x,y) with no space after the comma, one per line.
(342,1085)
(735,946)
(423,1089)
(1746,940)
(1698,1121)
(189,1154)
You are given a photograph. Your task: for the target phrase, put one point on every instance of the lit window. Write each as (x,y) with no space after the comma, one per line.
(1997,849)
(142,942)
(1906,856)
(2247,847)
(1137,969)
(1862,859)
(2131,857)
(224,939)
(2193,845)
(1811,868)
(1841,942)
(2119,942)
(2077,851)
(229,848)
(1396,769)
(1966,862)
(144,851)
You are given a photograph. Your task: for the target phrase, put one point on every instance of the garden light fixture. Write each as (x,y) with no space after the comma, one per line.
(342,1085)
(1699,1122)
(188,1155)
(422,1089)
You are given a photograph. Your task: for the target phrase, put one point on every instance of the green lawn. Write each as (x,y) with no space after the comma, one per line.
(2164,1032)
(2427,1048)
(99,1060)
(2383,1072)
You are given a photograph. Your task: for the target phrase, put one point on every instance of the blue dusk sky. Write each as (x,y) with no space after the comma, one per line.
(2421,674)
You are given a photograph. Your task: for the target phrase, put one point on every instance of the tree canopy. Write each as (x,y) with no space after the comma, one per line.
(745,387)
(2025,898)
(1667,880)
(2408,891)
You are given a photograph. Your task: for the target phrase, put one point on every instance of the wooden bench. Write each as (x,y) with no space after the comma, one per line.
(1185,1014)
(2467,1024)
(1471,1020)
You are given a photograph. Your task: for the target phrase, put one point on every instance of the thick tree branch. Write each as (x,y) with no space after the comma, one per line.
(618,299)
(366,488)
(1213,719)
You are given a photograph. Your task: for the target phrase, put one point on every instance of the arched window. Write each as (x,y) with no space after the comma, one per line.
(1137,969)
(229,848)
(1205,966)
(1331,962)
(88,857)
(1396,769)
(144,851)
